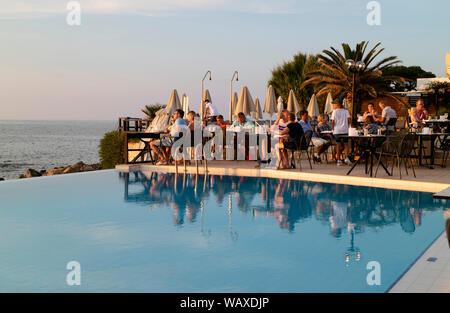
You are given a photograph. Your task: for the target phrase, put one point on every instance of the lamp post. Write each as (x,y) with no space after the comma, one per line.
(355,68)
(203,100)
(235,74)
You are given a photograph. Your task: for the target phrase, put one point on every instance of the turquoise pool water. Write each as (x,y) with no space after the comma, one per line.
(157,232)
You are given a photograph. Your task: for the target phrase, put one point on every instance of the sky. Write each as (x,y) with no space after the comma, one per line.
(130,53)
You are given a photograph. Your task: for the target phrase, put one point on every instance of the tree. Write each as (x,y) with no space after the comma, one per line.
(291,75)
(409,73)
(441,91)
(335,77)
(150,110)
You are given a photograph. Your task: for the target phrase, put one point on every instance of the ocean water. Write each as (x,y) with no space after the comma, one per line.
(48,144)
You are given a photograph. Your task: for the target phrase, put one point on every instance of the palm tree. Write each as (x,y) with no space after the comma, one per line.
(150,110)
(291,75)
(334,76)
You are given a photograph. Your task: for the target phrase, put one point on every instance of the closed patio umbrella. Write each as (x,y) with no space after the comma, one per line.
(270,106)
(313,107)
(292,104)
(185,103)
(257,114)
(245,102)
(328,104)
(345,103)
(162,117)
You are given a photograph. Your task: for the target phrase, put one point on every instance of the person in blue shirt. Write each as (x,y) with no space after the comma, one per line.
(319,143)
(243,121)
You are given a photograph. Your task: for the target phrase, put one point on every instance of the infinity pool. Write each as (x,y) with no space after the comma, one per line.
(159,232)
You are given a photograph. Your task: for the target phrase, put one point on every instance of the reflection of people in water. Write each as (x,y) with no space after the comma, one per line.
(288,201)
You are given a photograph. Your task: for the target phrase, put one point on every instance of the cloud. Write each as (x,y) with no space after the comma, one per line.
(42,8)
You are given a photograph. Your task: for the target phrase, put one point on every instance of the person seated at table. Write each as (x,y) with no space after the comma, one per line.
(341,120)
(243,121)
(386,114)
(412,119)
(281,122)
(221,123)
(421,113)
(210,111)
(290,137)
(320,143)
(370,125)
(370,110)
(162,146)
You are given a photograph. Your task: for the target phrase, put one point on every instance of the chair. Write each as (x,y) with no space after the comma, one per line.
(443,145)
(303,145)
(390,125)
(400,148)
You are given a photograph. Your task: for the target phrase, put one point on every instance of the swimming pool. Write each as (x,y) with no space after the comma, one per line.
(160,232)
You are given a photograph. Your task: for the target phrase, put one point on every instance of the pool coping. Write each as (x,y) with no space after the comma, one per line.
(396,184)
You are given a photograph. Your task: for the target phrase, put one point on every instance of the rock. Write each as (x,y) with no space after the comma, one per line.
(2,179)
(88,168)
(30,173)
(55,171)
(75,168)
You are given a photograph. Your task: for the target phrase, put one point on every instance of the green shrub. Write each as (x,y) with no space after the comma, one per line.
(111,149)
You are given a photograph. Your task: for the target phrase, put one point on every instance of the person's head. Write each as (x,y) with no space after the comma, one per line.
(291,117)
(382,104)
(370,107)
(179,114)
(369,120)
(241,117)
(219,118)
(206,101)
(285,115)
(191,116)
(304,115)
(419,104)
(412,111)
(337,104)
(322,118)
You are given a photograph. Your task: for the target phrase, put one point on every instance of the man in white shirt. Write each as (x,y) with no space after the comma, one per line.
(210,111)
(340,120)
(386,114)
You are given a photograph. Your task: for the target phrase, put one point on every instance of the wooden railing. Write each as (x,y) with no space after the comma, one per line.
(130,124)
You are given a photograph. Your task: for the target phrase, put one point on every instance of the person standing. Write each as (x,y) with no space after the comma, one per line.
(340,120)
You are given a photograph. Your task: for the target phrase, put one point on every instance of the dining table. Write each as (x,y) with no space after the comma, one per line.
(431,137)
(366,150)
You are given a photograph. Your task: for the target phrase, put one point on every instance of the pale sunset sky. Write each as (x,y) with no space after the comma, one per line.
(126,53)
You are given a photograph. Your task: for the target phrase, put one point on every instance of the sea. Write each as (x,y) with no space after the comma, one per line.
(48,144)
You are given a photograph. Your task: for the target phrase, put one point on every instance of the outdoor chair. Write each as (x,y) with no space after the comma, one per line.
(390,125)
(303,146)
(443,145)
(400,149)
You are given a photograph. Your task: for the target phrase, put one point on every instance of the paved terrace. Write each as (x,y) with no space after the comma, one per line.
(430,272)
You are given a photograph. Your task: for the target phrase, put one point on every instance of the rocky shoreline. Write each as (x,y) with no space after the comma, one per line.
(74,168)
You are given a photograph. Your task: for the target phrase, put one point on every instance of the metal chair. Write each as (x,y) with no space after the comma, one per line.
(303,145)
(400,148)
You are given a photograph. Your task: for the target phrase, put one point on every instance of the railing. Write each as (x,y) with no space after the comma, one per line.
(130,124)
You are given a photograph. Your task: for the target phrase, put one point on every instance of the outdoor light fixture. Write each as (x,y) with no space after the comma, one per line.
(235,74)
(355,68)
(201,104)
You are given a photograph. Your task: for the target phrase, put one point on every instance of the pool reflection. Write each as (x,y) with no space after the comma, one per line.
(344,208)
